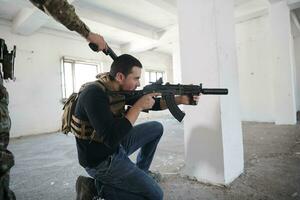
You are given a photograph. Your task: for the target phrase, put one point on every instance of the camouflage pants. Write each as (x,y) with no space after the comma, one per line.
(6,157)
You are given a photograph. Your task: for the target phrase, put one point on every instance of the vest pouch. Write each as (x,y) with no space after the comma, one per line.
(68,111)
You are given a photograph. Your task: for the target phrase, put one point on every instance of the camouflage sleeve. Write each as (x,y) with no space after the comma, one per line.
(63,12)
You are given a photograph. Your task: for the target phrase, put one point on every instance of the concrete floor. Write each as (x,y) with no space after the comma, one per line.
(46,165)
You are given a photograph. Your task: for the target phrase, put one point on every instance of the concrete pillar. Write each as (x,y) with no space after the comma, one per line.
(176,63)
(282,63)
(213,134)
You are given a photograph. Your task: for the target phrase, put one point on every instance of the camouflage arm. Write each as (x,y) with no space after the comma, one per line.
(63,12)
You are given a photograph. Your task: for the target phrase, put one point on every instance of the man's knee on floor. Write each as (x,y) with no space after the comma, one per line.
(159,194)
(158,128)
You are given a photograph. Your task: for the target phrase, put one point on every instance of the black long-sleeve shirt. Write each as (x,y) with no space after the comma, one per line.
(93,106)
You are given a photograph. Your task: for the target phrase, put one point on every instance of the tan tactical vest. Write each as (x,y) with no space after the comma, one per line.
(83,129)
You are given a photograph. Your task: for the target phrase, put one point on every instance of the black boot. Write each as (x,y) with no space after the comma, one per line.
(85,188)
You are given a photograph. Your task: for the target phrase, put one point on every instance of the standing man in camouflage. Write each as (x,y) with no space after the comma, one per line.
(63,12)
(6,157)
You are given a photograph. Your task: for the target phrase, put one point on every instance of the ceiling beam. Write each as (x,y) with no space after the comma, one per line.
(251,15)
(29,20)
(171,9)
(168,36)
(111,25)
(293,4)
(119,22)
(295,20)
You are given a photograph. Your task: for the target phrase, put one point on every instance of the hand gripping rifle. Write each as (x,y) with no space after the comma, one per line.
(168,91)
(108,51)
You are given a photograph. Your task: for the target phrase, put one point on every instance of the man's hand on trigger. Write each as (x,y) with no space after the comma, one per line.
(147,101)
(98,40)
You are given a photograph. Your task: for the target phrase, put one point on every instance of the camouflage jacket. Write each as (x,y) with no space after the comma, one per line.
(6,157)
(63,12)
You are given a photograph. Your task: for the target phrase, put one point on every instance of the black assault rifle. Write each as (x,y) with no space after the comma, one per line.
(168,91)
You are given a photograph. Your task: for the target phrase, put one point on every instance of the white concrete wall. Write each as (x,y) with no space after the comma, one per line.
(283,65)
(255,72)
(36,94)
(297,58)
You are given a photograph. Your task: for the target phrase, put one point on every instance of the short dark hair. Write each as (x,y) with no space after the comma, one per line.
(124,64)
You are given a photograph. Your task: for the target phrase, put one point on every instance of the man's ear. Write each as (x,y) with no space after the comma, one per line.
(120,77)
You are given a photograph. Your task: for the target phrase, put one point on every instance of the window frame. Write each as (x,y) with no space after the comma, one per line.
(156,72)
(73,62)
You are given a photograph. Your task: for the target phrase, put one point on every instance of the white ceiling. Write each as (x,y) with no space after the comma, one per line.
(133,25)
(240,2)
